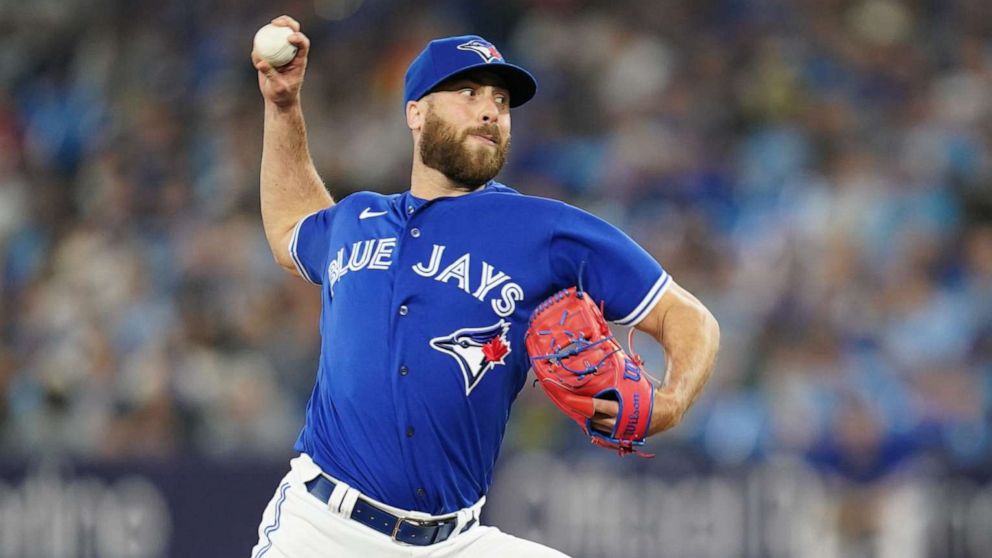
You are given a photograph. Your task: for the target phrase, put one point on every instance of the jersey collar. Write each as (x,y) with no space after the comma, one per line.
(410,203)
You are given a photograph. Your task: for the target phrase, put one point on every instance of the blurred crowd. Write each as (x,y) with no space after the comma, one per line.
(818,172)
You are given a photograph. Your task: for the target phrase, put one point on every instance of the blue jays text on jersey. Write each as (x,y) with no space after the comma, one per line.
(376,253)
(425,305)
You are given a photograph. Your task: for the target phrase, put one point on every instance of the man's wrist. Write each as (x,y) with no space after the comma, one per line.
(672,405)
(282,108)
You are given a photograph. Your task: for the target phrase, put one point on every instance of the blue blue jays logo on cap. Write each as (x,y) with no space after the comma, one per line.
(486,50)
(447,57)
(476,350)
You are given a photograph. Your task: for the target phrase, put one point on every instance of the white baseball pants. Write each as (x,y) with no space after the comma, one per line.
(295,524)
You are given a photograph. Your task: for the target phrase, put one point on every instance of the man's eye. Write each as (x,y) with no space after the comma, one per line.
(467,92)
(501,99)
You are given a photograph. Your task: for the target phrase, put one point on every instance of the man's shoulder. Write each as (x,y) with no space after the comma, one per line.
(365,199)
(510,195)
(368,196)
(560,214)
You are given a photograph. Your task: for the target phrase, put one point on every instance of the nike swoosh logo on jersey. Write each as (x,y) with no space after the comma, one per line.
(366,213)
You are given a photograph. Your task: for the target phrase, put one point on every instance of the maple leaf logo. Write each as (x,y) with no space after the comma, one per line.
(495,350)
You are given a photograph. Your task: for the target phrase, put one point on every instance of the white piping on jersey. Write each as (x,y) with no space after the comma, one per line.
(648,302)
(292,249)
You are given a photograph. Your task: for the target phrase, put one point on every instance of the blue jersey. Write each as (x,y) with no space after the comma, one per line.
(425,305)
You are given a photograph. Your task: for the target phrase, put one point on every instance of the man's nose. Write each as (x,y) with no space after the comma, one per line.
(490,109)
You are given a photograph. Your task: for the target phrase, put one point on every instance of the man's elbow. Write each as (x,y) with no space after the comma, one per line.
(710,325)
(279,240)
(284,261)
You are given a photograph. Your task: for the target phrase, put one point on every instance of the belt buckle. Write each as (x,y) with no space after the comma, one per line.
(417,522)
(399,523)
(396,528)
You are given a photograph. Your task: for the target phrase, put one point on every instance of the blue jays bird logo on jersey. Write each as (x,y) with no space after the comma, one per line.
(476,350)
(487,51)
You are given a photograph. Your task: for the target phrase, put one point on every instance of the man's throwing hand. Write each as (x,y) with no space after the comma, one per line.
(281,86)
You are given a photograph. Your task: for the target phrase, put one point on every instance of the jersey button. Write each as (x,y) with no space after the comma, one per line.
(404,310)
(415,233)
(409,432)
(409,210)
(404,370)
(421,492)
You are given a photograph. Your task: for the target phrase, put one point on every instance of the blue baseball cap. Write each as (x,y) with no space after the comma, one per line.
(446,58)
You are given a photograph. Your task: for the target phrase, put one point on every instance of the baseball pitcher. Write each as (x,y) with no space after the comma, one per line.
(435,304)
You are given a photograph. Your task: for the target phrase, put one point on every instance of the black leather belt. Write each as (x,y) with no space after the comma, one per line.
(405,530)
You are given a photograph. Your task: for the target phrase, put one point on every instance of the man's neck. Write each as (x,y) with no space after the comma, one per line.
(427,183)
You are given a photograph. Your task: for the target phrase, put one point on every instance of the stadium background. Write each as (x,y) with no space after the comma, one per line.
(817,171)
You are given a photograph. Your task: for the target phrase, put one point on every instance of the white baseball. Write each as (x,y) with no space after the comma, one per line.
(272,44)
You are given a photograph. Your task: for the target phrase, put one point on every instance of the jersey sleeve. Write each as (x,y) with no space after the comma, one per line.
(310,244)
(609,265)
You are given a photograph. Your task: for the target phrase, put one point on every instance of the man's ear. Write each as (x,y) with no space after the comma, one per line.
(416,112)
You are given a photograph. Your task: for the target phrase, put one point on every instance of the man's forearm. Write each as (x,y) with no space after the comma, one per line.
(290,185)
(691,337)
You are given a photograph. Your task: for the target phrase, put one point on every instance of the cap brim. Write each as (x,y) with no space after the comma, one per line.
(519,82)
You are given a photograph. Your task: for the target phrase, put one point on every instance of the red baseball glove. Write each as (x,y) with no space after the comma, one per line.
(576,359)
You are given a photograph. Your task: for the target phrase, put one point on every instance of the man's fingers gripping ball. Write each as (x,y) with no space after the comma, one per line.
(272,44)
(287,21)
